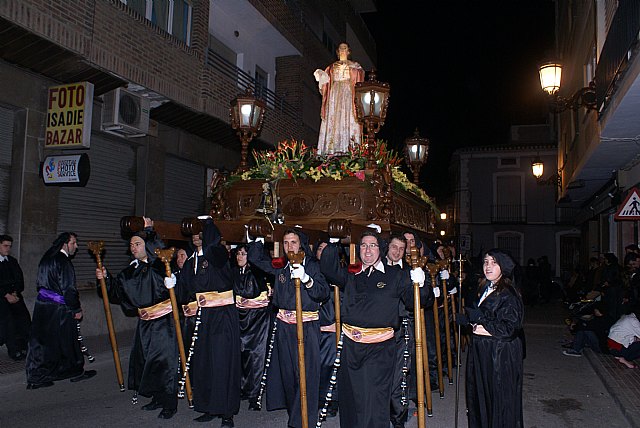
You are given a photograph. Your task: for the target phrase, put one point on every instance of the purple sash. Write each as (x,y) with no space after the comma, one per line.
(50,296)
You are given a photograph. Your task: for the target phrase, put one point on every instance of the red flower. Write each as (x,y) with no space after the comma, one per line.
(278,263)
(360,175)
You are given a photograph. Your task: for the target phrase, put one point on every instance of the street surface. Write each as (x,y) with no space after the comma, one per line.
(559,391)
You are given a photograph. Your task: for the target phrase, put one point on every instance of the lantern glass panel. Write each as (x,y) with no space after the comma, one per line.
(550,77)
(537,168)
(245,114)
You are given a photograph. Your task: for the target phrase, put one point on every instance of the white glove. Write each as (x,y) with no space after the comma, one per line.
(334,240)
(297,271)
(436,292)
(203,217)
(444,274)
(170,282)
(417,276)
(454,290)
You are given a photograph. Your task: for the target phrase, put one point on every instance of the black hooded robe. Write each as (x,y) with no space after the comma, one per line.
(365,377)
(283,386)
(254,328)
(15,320)
(54,351)
(216,354)
(153,365)
(494,364)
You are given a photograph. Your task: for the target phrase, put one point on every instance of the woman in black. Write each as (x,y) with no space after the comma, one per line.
(494,364)
(255,315)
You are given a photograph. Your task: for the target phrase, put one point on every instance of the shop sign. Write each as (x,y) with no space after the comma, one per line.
(70,170)
(69,110)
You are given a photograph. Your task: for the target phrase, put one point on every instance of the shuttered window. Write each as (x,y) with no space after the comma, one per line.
(6,144)
(94,211)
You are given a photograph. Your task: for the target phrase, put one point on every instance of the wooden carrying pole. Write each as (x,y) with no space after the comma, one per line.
(447,327)
(433,270)
(425,363)
(446,264)
(336,306)
(298,258)
(166,255)
(417,262)
(97,248)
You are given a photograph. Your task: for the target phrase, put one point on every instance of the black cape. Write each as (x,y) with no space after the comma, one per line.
(371,300)
(15,320)
(153,365)
(54,351)
(494,364)
(283,375)
(216,354)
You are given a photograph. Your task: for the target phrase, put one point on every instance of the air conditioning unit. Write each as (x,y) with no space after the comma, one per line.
(125,113)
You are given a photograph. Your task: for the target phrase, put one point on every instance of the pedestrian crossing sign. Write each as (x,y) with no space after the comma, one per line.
(630,209)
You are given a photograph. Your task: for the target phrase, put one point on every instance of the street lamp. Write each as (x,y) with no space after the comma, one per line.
(247,116)
(372,100)
(550,79)
(416,152)
(537,168)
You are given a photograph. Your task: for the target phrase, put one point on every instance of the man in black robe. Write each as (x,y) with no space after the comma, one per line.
(328,349)
(216,354)
(283,375)
(405,344)
(15,320)
(141,289)
(54,351)
(370,317)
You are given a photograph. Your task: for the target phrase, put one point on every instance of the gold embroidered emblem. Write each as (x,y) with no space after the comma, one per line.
(380,285)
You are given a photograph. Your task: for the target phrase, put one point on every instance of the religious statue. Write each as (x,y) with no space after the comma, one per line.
(339,128)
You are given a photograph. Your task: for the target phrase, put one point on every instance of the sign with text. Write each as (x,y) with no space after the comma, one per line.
(69,110)
(71,170)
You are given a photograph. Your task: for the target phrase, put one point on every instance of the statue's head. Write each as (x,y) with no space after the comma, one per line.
(343,51)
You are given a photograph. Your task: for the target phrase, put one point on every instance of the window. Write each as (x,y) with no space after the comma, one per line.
(181,20)
(172,16)
(511,243)
(262,83)
(507,161)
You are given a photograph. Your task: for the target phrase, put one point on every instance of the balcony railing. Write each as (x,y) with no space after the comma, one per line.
(509,213)
(244,81)
(622,36)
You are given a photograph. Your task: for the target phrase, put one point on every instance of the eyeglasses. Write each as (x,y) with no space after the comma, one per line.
(371,246)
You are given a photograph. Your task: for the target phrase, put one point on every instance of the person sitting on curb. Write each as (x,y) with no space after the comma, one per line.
(624,339)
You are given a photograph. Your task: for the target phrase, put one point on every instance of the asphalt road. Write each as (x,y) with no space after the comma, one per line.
(559,391)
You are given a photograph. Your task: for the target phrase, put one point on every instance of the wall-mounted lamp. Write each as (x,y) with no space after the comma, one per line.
(550,78)
(537,168)
(443,216)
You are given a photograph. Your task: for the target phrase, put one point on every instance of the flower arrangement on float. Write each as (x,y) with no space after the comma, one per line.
(294,160)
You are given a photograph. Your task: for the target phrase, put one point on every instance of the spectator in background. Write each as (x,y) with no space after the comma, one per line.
(632,262)
(590,330)
(15,320)
(624,340)
(611,285)
(546,280)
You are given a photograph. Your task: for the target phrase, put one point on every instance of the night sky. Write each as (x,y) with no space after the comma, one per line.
(463,72)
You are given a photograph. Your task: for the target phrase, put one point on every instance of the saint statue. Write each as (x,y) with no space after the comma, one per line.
(339,128)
